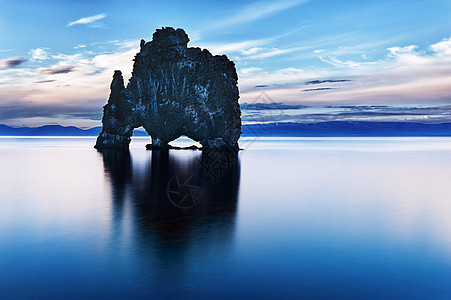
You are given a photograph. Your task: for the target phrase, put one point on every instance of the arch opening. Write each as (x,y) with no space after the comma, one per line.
(139,138)
(184,141)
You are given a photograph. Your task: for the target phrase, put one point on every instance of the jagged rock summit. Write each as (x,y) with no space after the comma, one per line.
(174,90)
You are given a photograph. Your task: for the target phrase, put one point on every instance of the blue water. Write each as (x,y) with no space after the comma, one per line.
(285,218)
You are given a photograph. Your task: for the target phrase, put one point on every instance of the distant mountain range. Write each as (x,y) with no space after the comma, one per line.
(48,130)
(347,128)
(336,128)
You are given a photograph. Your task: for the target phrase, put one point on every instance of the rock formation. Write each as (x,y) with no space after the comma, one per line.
(174,90)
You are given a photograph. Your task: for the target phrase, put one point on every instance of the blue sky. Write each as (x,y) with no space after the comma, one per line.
(57,57)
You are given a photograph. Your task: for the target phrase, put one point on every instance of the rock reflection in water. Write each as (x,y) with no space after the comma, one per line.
(178,206)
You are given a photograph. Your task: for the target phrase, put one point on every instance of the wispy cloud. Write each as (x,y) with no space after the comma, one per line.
(269,106)
(256,11)
(251,51)
(327,81)
(341,63)
(45,81)
(380,113)
(259,49)
(319,89)
(266,53)
(11,62)
(408,74)
(87,20)
(254,48)
(58,70)
(219,48)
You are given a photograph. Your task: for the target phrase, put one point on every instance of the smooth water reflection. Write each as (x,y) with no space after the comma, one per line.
(172,240)
(286,218)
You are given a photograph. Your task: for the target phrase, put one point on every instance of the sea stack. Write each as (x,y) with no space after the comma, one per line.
(174,90)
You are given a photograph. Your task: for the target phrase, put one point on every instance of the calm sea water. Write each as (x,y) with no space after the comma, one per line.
(286,218)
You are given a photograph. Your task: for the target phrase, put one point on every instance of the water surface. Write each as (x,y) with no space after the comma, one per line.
(286,217)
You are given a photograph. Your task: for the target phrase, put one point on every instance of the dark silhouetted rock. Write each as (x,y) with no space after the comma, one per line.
(174,90)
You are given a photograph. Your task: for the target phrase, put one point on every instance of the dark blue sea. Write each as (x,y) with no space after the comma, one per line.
(285,218)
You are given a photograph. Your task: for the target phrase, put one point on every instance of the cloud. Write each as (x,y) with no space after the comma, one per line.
(251,70)
(379,113)
(405,75)
(58,70)
(359,107)
(326,81)
(87,20)
(39,53)
(273,52)
(45,81)
(304,50)
(11,62)
(256,11)
(219,48)
(443,47)
(260,86)
(270,106)
(251,51)
(340,63)
(398,51)
(319,89)
(74,96)
(276,80)
(86,109)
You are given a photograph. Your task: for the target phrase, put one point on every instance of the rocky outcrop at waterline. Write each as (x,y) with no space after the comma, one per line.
(174,90)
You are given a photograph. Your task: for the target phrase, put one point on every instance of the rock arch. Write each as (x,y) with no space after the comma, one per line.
(174,90)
